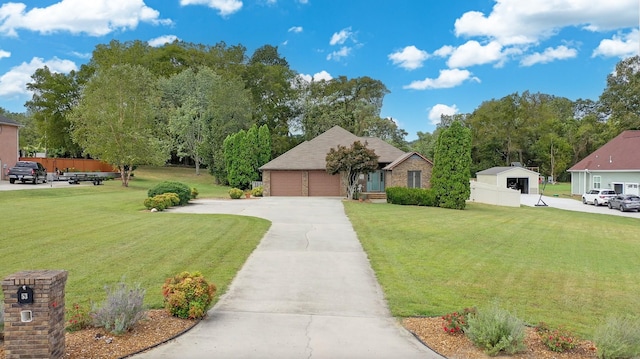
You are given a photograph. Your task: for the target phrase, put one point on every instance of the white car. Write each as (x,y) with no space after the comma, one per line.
(598,197)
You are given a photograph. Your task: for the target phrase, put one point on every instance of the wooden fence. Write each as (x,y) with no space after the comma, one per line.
(72,164)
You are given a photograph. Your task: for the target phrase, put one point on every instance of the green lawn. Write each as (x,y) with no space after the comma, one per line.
(560,189)
(561,267)
(102,234)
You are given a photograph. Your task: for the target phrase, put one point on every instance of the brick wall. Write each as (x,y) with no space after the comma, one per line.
(43,336)
(398,177)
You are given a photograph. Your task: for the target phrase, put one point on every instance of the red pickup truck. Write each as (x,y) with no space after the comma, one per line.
(24,171)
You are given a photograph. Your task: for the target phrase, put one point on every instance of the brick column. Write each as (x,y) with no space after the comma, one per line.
(34,330)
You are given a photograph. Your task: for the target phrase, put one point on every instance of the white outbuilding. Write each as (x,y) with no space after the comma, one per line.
(513,177)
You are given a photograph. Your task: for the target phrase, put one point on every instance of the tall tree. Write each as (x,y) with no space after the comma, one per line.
(186,101)
(621,98)
(270,81)
(115,119)
(54,96)
(452,163)
(230,109)
(245,152)
(350,163)
(353,104)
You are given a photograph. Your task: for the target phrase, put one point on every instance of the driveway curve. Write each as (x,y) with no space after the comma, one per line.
(569,204)
(307,291)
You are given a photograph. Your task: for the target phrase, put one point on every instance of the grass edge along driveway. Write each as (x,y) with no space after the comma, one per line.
(561,267)
(102,234)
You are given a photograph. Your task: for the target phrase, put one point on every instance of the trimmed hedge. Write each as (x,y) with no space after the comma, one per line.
(182,190)
(411,196)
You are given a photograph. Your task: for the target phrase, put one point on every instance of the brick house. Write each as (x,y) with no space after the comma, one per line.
(301,171)
(9,150)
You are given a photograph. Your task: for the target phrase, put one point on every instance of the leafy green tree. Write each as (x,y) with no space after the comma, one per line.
(115,119)
(186,101)
(230,109)
(350,163)
(353,104)
(245,152)
(621,98)
(54,96)
(452,163)
(274,99)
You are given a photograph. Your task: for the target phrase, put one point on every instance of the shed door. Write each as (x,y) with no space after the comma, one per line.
(286,183)
(323,184)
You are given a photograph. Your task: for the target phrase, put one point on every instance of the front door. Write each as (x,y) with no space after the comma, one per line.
(375,181)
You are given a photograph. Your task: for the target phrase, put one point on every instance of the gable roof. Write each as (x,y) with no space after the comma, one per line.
(10,122)
(403,158)
(499,170)
(619,154)
(312,155)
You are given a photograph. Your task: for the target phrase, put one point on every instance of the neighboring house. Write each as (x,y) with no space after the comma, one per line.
(9,151)
(514,177)
(301,171)
(616,165)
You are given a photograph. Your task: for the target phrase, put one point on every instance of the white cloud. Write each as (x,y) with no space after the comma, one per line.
(526,22)
(444,51)
(473,53)
(621,45)
(161,40)
(224,7)
(339,54)
(4,54)
(409,58)
(339,38)
(295,29)
(15,81)
(550,54)
(438,110)
(95,18)
(82,55)
(319,76)
(448,78)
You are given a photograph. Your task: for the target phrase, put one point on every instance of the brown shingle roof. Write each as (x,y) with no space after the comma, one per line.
(403,158)
(311,155)
(621,153)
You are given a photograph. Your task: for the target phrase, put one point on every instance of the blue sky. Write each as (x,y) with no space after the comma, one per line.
(434,56)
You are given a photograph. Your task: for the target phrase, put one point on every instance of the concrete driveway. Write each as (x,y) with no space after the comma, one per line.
(572,205)
(307,291)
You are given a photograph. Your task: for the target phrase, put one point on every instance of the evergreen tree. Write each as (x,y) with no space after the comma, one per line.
(451,170)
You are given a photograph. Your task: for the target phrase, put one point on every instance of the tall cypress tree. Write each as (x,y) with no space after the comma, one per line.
(451,170)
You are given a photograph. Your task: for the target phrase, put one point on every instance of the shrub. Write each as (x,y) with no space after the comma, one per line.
(411,196)
(162,201)
(619,337)
(79,318)
(456,322)
(496,330)
(1,317)
(188,295)
(182,190)
(122,309)
(194,193)
(557,340)
(257,192)
(235,193)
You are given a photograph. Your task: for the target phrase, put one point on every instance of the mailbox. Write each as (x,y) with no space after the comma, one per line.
(25,295)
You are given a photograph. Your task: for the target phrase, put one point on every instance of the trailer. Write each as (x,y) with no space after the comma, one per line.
(94,177)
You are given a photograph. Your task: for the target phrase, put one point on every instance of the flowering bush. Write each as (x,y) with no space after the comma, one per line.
(79,318)
(456,322)
(557,340)
(188,295)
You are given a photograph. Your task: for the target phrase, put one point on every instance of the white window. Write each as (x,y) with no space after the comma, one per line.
(596,181)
